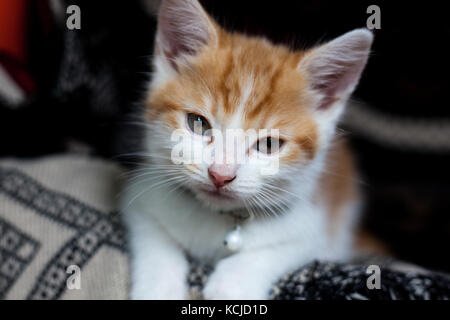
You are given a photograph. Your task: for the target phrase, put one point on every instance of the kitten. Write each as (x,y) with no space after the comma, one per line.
(253,226)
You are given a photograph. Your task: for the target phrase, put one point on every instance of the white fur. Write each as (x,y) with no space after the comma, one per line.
(163,227)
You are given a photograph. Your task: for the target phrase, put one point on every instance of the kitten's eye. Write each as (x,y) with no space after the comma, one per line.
(197,124)
(268,145)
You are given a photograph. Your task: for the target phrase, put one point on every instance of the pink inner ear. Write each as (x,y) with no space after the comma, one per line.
(177,39)
(334,68)
(183,28)
(333,84)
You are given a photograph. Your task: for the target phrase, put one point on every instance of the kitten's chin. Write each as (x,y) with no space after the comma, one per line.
(218,200)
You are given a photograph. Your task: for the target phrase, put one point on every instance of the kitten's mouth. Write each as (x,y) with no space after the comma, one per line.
(217,193)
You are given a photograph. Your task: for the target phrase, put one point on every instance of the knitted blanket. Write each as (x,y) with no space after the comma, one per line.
(61,237)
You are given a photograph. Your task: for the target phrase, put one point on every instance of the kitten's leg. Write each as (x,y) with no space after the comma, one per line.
(158,265)
(251,274)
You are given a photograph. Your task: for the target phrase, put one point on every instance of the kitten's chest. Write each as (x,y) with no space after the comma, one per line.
(201,232)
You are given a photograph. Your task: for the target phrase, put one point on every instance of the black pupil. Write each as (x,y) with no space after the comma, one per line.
(196,120)
(202,123)
(268,142)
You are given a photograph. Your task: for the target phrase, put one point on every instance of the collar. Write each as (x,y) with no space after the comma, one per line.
(240,215)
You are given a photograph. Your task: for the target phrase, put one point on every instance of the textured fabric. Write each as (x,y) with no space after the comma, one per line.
(330,281)
(55,213)
(321,280)
(61,211)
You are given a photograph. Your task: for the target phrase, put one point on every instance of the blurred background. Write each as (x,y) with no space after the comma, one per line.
(71,90)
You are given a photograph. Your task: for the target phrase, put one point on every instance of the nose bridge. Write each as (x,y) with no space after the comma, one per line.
(231,150)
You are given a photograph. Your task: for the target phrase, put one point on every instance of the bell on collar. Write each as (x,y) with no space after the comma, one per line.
(233,240)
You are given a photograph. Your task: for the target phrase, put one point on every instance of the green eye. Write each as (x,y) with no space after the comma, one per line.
(197,124)
(268,145)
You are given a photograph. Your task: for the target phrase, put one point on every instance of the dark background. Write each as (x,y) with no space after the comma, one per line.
(88,81)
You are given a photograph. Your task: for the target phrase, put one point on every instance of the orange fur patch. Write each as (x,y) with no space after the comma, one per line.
(278,98)
(338,184)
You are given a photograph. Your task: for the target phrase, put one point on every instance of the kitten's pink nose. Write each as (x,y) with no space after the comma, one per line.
(222,174)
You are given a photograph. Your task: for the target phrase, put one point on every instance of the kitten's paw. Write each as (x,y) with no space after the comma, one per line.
(228,282)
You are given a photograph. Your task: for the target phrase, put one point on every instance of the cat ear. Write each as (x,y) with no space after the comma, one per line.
(333,69)
(183,29)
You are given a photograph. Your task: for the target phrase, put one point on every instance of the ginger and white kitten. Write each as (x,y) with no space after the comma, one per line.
(307,209)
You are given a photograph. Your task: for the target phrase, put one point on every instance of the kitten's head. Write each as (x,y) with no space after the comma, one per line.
(208,82)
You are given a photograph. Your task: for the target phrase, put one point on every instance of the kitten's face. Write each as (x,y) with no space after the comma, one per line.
(243,84)
(213,84)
